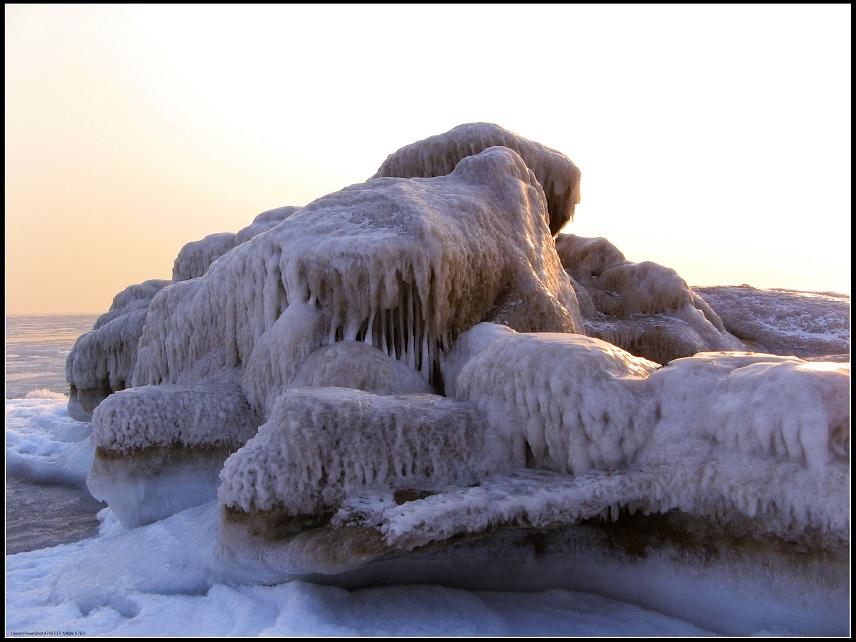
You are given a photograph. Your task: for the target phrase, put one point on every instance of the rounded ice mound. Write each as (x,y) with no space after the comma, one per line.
(354,364)
(438,156)
(263,222)
(404,264)
(645,308)
(196,257)
(574,403)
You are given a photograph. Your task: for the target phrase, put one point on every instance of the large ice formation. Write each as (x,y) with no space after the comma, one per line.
(439,155)
(405,265)
(645,308)
(393,383)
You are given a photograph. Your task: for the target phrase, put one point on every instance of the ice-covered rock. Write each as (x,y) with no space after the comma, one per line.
(570,402)
(759,441)
(354,364)
(196,257)
(323,445)
(159,449)
(438,156)
(263,222)
(103,359)
(788,322)
(645,308)
(404,264)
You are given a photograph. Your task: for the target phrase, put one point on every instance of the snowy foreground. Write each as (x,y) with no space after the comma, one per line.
(418,380)
(165,579)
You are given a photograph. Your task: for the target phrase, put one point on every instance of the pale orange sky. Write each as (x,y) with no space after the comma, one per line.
(712,139)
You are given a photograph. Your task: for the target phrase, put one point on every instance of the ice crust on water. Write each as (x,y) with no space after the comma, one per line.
(322,444)
(160,448)
(174,584)
(403,264)
(645,308)
(438,156)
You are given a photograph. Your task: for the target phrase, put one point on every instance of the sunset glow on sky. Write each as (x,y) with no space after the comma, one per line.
(712,139)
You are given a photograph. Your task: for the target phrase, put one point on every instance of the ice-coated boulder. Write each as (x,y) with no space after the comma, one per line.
(645,308)
(405,265)
(195,258)
(263,222)
(159,449)
(322,446)
(438,156)
(103,359)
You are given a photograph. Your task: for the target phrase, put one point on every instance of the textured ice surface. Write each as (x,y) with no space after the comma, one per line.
(43,444)
(161,448)
(645,308)
(173,584)
(571,402)
(726,436)
(322,444)
(263,222)
(194,258)
(354,364)
(404,264)
(209,414)
(438,156)
(103,359)
(789,322)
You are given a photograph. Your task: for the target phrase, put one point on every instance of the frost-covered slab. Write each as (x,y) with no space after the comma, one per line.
(788,322)
(645,308)
(438,156)
(404,264)
(321,445)
(159,449)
